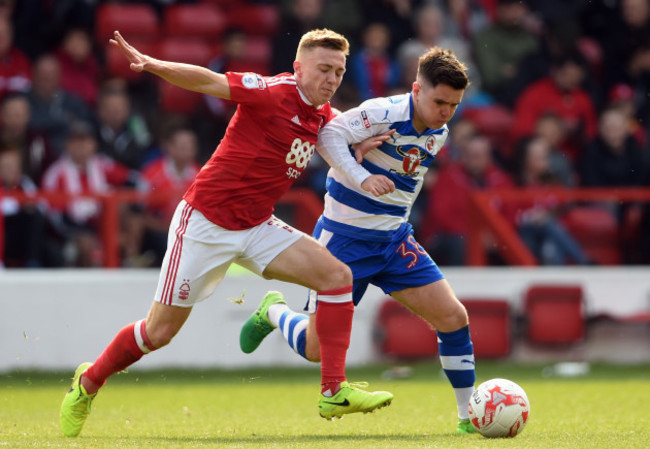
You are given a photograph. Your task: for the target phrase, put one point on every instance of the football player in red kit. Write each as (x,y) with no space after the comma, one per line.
(226,217)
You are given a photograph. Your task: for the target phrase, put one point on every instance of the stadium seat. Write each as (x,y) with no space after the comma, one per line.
(197,20)
(596,229)
(554,314)
(177,100)
(494,122)
(190,51)
(255,19)
(490,326)
(172,98)
(401,334)
(225,5)
(135,21)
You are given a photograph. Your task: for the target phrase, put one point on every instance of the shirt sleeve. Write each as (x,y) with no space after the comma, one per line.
(248,88)
(352,126)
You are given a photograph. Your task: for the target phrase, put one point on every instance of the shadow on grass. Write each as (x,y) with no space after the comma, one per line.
(287,440)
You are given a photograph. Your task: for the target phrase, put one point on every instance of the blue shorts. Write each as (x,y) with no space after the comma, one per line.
(392,266)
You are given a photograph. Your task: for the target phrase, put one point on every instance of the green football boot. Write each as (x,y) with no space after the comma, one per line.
(465,427)
(351,399)
(76,404)
(258,326)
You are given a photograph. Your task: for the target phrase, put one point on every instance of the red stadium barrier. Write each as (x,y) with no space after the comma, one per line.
(304,207)
(485,218)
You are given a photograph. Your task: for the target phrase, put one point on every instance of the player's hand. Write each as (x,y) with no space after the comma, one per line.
(137,59)
(378,185)
(362,148)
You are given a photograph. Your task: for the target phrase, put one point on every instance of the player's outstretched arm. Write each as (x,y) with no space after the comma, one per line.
(187,76)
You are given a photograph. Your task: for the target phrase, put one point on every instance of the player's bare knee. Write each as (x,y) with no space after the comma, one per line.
(339,276)
(161,336)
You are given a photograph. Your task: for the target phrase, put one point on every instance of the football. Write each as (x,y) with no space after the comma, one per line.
(499,408)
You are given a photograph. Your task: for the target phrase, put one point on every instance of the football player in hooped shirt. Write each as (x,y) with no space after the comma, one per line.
(369,230)
(226,216)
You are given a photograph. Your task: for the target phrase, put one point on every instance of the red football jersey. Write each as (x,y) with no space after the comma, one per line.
(267,145)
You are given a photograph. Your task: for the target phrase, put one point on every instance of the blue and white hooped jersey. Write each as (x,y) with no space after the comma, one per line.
(404,158)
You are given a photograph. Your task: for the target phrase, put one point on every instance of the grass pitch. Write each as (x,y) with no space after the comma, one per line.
(274,408)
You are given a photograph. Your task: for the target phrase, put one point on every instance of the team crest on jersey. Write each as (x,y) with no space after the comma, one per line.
(412,158)
(430,144)
(253,81)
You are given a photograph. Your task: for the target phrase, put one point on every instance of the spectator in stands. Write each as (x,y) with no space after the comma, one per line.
(373,71)
(123,134)
(467,18)
(626,41)
(500,47)
(229,59)
(462,130)
(170,175)
(35,149)
(623,97)
(302,16)
(614,158)
(429,25)
(395,14)
(24,225)
(52,108)
(80,71)
(80,170)
(560,93)
(557,39)
(550,128)
(447,217)
(40,25)
(537,221)
(15,67)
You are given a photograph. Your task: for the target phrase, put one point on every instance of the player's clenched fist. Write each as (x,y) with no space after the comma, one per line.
(378,185)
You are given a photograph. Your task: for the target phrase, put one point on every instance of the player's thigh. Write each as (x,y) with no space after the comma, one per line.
(197,258)
(306,262)
(164,322)
(436,303)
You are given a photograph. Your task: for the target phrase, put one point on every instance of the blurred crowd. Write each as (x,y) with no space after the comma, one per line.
(560,97)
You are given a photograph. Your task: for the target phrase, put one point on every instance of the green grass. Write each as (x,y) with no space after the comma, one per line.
(275,408)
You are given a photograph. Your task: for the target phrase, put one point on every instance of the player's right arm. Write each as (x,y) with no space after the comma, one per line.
(348,128)
(187,76)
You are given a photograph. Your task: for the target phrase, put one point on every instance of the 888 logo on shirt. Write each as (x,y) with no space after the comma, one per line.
(299,154)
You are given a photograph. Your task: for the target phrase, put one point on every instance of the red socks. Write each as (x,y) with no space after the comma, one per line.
(128,346)
(334,326)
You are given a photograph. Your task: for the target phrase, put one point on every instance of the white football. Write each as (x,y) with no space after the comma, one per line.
(499,408)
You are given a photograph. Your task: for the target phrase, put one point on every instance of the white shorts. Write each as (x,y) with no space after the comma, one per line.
(199,253)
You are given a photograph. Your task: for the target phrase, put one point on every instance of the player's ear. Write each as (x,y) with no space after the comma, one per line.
(297,67)
(417,87)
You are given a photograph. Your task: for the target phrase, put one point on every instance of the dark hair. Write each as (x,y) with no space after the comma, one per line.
(440,66)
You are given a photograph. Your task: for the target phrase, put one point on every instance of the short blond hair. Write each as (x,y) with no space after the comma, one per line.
(323,38)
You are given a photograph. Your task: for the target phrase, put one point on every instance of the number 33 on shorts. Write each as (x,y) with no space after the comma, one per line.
(411,251)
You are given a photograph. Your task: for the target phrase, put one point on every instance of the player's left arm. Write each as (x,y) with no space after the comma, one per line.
(187,76)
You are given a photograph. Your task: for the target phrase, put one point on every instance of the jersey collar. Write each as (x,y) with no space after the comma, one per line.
(304,98)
